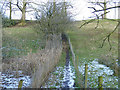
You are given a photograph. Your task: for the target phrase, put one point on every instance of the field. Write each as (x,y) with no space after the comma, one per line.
(86,41)
(20,40)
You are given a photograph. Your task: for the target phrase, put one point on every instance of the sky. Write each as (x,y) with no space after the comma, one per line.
(80,10)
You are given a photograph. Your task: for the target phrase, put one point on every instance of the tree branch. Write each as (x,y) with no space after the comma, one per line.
(92,20)
(108,37)
(18,5)
(106,9)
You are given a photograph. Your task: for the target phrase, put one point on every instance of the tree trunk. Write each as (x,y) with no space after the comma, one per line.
(54,6)
(23,17)
(119,13)
(10,10)
(23,12)
(105,6)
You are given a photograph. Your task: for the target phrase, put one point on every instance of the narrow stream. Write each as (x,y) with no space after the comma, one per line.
(68,79)
(61,77)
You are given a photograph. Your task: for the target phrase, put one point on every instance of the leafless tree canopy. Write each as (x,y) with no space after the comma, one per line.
(52,18)
(99,15)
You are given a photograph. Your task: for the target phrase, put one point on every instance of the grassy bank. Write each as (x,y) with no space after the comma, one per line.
(20,40)
(87,41)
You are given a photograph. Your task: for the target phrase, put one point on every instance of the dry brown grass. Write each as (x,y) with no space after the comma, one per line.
(37,65)
(27,63)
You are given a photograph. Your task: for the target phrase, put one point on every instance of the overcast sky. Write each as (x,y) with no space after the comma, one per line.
(80,10)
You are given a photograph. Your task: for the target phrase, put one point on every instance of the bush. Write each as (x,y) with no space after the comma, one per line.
(7,22)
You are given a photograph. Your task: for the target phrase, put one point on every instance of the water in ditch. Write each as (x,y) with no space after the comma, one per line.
(61,77)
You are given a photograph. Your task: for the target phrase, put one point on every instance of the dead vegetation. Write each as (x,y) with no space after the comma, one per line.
(37,65)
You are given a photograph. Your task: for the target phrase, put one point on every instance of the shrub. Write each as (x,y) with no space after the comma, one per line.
(7,22)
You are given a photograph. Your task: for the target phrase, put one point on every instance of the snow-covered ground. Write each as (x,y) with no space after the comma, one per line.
(94,70)
(11,81)
(64,77)
(61,77)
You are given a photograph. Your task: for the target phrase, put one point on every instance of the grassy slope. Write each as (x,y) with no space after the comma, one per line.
(20,40)
(86,42)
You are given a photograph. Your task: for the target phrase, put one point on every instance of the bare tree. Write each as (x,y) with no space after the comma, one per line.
(19,5)
(52,18)
(10,10)
(103,6)
(22,8)
(105,3)
(98,17)
(5,4)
